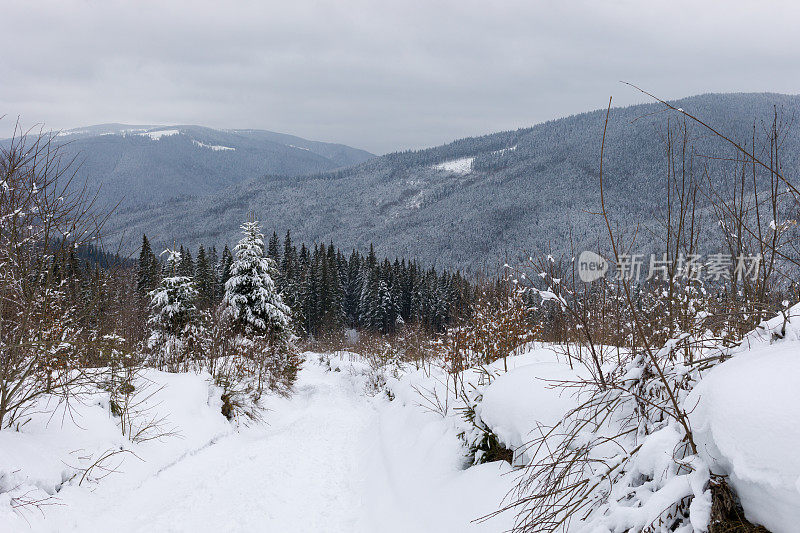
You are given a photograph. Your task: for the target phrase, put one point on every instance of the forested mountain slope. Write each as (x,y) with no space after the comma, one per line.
(473,202)
(140,164)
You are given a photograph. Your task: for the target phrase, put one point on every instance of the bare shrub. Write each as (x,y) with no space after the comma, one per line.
(43,215)
(593,467)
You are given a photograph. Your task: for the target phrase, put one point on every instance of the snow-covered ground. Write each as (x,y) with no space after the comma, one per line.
(746,418)
(215,147)
(156,135)
(456,166)
(338,455)
(330,458)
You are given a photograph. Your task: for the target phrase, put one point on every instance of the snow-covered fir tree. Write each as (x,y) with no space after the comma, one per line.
(172,313)
(251,298)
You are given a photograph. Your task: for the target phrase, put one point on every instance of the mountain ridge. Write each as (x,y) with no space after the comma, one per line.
(478,201)
(145,164)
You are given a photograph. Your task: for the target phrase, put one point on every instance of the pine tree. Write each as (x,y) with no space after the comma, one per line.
(332,311)
(352,289)
(272,249)
(369,304)
(251,299)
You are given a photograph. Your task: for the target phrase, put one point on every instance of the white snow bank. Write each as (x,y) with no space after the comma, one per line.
(785,326)
(215,147)
(747,424)
(416,463)
(156,135)
(418,481)
(522,403)
(515,405)
(46,459)
(456,166)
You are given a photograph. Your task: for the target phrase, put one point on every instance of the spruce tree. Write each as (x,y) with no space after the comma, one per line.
(186,264)
(204,278)
(251,299)
(369,303)
(224,271)
(352,289)
(147,275)
(172,313)
(272,249)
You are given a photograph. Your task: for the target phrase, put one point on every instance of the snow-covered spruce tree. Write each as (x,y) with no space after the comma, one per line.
(174,318)
(257,313)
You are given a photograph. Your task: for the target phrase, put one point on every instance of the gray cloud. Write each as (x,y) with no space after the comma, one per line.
(377,75)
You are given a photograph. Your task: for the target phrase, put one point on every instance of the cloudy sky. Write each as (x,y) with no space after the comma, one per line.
(378,75)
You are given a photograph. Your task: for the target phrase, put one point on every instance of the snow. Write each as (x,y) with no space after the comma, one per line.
(517,404)
(338,455)
(329,458)
(746,424)
(157,135)
(46,458)
(456,166)
(504,150)
(299,147)
(65,133)
(215,147)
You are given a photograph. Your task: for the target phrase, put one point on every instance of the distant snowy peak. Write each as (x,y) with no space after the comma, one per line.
(111,129)
(456,166)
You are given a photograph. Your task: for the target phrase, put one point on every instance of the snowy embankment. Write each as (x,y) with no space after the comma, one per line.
(745,414)
(65,452)
(514,405)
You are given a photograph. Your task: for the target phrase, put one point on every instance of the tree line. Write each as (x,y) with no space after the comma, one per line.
(326,290)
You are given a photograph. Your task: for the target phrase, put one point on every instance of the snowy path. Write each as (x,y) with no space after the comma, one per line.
(330,459)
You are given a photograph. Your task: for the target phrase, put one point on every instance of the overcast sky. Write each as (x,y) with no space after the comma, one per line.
(378,75)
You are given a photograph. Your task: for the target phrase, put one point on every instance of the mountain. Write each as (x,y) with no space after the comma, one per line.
(141,164)
(477,201)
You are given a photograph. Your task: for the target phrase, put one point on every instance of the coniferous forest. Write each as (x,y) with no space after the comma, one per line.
(327,290)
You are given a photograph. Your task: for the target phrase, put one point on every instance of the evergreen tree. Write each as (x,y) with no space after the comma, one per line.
(224,271)
(332,307)
(352,290)
(172,313)
(251,299)
(147,275)
(186,264)
(205,279)
(272,249)
(369,304)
